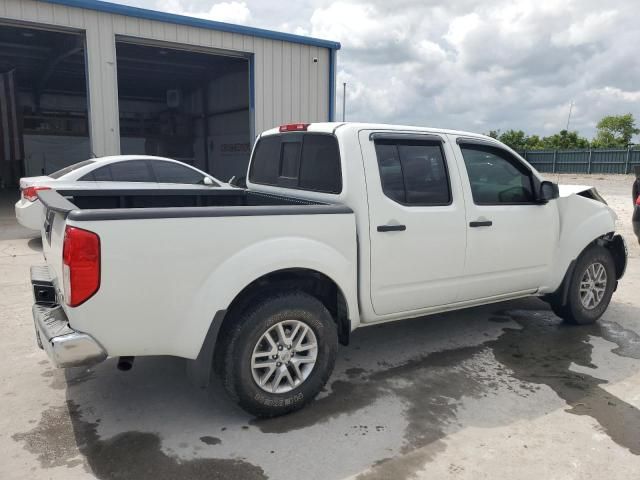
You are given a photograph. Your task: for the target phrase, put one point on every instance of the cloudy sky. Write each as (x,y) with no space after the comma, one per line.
(467,64)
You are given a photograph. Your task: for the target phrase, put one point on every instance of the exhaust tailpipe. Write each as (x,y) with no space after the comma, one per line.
(125,363)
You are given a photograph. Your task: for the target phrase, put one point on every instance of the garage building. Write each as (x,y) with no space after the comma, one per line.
(83,78)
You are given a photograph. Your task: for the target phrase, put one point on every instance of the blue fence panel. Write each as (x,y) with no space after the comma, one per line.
(634,159)
(583,161)
(572,161)
(609,161)
(542,160)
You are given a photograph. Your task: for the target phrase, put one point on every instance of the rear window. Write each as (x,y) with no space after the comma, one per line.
(305,161)
(70,168)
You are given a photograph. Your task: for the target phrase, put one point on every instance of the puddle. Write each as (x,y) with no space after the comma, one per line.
(60,442)
(544,349)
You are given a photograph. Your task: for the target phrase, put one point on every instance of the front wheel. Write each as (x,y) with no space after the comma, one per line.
(279,354)
(591,288)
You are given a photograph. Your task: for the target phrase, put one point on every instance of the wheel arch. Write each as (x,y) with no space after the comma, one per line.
(313,282)
(614,243)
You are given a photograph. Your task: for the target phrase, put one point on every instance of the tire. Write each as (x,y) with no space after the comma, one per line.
(559,310)
(248,337)
(575,311)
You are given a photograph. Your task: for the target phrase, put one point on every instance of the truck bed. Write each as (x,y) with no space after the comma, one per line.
(172,260)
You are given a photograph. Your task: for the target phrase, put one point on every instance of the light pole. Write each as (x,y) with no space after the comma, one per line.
(344,99)
(569,117)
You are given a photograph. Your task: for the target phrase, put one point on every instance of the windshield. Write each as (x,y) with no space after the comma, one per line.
(70,169)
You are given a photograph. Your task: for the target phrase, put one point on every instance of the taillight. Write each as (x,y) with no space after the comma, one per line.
(80,265)
(638,201)
(31,193)
(294,127)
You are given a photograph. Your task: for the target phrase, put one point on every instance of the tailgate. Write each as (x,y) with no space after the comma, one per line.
(52,231)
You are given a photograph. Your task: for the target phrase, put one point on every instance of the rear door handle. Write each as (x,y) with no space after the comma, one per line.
(481,223)
(392,228)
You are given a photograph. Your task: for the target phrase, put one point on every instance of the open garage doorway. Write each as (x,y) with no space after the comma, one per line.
(43,102)
(192,106)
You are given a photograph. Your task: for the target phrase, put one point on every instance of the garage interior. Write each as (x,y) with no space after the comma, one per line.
(192,106)
(43,102)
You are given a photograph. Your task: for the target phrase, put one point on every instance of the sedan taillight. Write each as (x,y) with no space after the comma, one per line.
(80,265)
(31,193)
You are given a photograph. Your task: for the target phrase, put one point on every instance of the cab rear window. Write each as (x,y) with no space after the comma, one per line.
(304,161)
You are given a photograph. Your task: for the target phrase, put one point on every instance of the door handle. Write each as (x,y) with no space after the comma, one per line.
(392,228)
(481,223)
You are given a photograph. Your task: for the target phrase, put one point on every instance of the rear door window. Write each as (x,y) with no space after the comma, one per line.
(102,174)
(304,161)
(169,172)
(413,172)
(132,171)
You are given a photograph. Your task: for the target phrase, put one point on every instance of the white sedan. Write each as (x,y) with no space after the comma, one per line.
(115,172)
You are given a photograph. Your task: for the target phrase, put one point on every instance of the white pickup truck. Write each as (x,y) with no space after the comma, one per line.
(342,225)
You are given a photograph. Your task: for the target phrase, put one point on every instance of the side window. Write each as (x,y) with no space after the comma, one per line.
(131,171)
(496,176)
(169,172)
(102,174)
(413,172)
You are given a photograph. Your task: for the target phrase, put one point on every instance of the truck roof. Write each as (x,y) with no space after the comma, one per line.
(331,127)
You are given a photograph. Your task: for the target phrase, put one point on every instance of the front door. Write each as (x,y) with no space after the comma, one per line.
(510,237)
(417,221)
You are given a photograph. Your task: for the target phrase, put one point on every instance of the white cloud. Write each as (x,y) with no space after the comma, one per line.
(594,27)
(229,12)
(467,64)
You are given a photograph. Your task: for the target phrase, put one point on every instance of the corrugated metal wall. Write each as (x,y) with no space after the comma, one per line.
(288,85)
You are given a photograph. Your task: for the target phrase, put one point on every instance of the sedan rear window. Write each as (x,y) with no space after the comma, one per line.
(304,161)
(70,169)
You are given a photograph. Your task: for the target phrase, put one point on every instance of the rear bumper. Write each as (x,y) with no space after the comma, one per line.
(65,346)
(29,214)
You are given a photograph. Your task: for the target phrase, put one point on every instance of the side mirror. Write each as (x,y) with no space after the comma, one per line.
(208,181)
(238,182)
(548,191)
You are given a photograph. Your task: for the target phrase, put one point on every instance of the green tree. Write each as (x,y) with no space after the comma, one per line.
(615,131)
(516,139)
(564,140)
(534,142)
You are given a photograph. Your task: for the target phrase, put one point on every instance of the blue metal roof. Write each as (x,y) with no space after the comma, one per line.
(194,22)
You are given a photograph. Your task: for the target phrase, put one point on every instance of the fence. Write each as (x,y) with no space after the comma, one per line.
(583,161)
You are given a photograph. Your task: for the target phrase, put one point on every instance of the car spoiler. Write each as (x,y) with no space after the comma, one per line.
(52,200)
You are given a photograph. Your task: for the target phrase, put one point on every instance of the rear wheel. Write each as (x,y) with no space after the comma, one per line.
(279,354)
(591,287)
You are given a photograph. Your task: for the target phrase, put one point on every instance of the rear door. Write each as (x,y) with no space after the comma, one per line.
(417,221)
(510,236)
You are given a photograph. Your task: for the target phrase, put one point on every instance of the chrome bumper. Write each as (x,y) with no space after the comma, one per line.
(65,346)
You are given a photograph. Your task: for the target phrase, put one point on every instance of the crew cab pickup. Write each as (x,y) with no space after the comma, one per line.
(342,225)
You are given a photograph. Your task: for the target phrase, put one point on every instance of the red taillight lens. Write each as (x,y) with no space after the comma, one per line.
(31,193)
(638,200)
(80,265)
(294,127)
